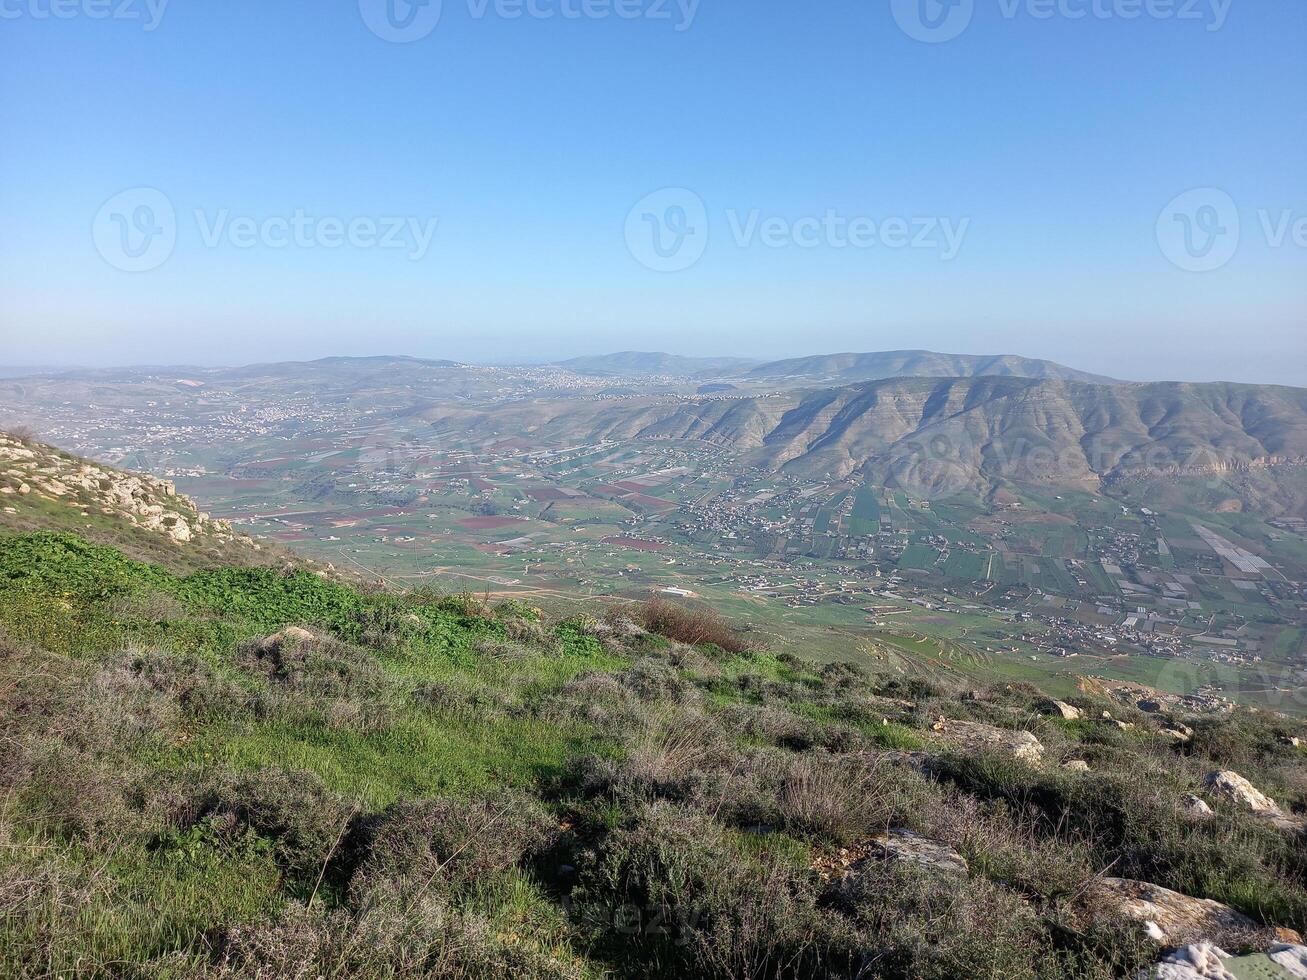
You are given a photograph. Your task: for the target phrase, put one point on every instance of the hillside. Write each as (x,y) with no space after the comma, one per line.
(849,368)
(253,772)
(43,489)
(629,364)
(946,435)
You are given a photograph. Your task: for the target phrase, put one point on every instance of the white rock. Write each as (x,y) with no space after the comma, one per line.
(1067,711)
(1233,787)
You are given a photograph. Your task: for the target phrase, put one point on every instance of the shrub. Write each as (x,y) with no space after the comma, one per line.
(303,821)
(450,845)
(697,627)
(671,892)
(937,927)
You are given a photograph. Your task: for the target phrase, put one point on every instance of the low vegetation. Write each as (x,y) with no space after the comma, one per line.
(252,772)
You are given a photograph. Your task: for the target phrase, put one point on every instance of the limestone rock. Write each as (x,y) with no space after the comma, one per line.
(974,736)
(1231,786)
(1067,711)
(1201,962)
(1180,917)
(906,847)
(1076,765)
(1177,732)
(1195,808)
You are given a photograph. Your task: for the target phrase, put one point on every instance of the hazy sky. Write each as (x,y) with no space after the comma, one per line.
(228,182)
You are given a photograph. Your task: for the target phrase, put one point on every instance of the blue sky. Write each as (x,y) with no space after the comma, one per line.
(503,156)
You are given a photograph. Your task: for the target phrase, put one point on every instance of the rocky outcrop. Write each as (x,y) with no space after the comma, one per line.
(1233,788)
(1178,917)
(897,847)
(974,736)
(29,470)
(1195,808)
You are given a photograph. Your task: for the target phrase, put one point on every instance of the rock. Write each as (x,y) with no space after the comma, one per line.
(1234,788)
(1076,765)
(905,847)
(1289,936)
(1177,732)
(973,736)
(1180,917)
(1067,711)
(1202,962)
(1293,741)
(1283,961)
(290,636)
(24,489)
(1150,706)
(1290,956)
(180,531)
(1195,808)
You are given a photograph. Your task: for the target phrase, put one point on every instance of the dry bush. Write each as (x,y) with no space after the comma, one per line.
(655,681)
(597,699)
(839,799)
(388,936)
(697,627)
(668,895)
(447,844)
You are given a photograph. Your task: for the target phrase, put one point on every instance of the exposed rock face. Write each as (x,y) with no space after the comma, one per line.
(1232,787)
(903,846)
(973,736)
(150,503)
(1180,917)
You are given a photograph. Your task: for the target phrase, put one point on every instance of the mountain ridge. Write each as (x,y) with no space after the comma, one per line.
(975,431)
(879,365)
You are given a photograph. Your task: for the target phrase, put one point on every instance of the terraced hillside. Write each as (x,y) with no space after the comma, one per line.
(251,772)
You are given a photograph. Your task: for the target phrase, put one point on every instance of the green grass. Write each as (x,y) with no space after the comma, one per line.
(178,784)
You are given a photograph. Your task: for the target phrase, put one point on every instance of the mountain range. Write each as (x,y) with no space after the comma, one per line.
(826,368)
(951,432)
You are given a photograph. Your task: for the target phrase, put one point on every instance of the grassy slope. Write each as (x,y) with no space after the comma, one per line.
(432,787)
